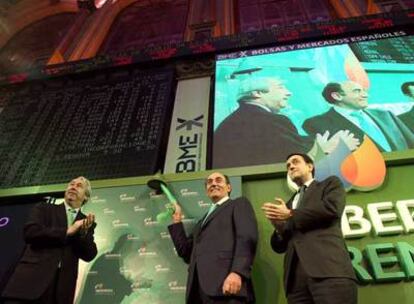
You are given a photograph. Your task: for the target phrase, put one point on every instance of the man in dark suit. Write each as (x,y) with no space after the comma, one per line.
(349,112)
(317,266)
(56,237)
(256,133)
(408,117)
(221,248)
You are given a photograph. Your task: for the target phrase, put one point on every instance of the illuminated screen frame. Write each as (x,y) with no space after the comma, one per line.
(304,70)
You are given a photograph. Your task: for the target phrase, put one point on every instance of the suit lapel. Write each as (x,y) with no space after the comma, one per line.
(383,122)
(308,192)
(290,201)
(306,195)
(61,215)
(344,123)
(79,216)
(391,129)
(216,212)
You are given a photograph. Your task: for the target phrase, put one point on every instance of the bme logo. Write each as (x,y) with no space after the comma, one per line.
(189,145)
(188,124)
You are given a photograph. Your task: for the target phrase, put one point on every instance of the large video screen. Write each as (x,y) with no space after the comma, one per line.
(297,98)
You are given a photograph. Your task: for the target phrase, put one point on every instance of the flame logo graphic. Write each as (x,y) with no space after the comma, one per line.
(363,169)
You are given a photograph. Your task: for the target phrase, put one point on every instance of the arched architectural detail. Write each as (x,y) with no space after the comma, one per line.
(228,18)
(99,25)
(147,24)
(350,8)
(254,15)
(33,45)
(210,19)
(27,12)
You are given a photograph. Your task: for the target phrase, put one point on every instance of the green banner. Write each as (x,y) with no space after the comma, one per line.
(136,261)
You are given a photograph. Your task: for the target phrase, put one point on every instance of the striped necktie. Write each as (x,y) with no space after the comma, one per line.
(70,215)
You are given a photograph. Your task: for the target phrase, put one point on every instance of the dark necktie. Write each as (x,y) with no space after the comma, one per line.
(301,193)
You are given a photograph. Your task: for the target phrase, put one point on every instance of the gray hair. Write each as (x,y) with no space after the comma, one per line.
(88,189)
(250,85)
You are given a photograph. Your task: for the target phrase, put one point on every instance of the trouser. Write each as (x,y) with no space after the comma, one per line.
(306,290)
(197,295)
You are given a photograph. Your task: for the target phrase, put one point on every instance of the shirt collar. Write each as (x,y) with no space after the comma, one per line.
(347,112)
(307,184)
(67,207)
(224,199)
(258,105)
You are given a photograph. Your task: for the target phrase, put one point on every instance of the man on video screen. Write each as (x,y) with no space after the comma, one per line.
(349,112)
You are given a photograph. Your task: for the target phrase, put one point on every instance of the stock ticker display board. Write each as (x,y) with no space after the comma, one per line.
(106,126)
(395,50)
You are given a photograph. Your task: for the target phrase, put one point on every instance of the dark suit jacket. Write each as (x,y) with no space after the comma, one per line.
(314,233)
(253,136)
(408,119)
(225,243)
(47,250)
(397,134)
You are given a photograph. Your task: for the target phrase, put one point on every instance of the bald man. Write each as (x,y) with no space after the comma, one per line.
(350,111)
(221,248)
